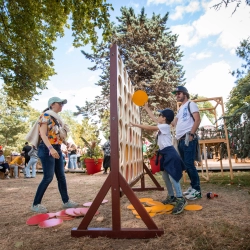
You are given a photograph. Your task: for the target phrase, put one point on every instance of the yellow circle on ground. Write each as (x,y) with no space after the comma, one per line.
(193,207)
(130,206)
(153,203)
(148,209)
(140,97)
(145,199)
(169,207)
(157,209)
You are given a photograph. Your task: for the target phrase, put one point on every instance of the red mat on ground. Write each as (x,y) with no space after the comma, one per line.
(88,204)
(50,223)
(36,219)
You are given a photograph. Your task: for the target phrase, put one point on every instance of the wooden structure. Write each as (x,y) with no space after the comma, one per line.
(214,140)
(126,161)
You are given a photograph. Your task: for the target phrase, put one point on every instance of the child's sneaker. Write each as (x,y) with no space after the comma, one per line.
(70,204)
(169,200)
(39,209)
(193,195)
(180,204)
(188,191)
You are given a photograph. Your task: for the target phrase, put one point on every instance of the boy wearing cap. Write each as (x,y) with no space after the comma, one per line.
(187,122)
(170,163)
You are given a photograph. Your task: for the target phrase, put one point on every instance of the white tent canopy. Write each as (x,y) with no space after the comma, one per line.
(205,122)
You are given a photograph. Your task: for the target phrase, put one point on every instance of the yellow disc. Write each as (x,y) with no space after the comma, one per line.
(162,212)
(168,212)
(140,97)
(152,214)
(148,209)
(157,209)
(134,212)
(193,207)
(145,199)
(153,203)
(130,206)
(169,207)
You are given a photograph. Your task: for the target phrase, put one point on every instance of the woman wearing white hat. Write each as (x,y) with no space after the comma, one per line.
(53,132)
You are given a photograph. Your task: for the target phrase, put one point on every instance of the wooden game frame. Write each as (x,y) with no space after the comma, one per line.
(117,183)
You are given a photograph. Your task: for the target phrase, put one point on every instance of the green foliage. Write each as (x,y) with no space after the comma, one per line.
(28,30)
(93,151)
(86,129)
(206,104)
(149,50)
(15,122)
(151,150)
(239,98)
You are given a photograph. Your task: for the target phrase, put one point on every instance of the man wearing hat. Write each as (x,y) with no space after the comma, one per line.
(187,122)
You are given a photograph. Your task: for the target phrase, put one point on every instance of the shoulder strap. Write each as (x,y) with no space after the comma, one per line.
(55,120)
(190,111)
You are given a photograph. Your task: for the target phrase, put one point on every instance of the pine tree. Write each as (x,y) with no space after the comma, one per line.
(151,57)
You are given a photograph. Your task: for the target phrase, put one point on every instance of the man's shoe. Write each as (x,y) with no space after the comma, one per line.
(39,209)
(70,204)
(180,205)
(7,177)
(169,200)
(188,191)
(105,172)
(193,195)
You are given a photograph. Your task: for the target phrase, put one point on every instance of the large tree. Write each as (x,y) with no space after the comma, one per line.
(151,57)
(15,122)
(239,99)
(28,29)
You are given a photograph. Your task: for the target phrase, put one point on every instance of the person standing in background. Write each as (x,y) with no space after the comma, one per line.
(106,161)
(25,151)
(32,163)
(187,122)
(73,156)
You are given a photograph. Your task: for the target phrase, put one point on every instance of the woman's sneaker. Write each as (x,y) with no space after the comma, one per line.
(39,209)
(180,205)
(169,200)
(193,195)
(70,204)
(188,191)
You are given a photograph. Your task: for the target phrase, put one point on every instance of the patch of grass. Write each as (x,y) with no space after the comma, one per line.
(240,178)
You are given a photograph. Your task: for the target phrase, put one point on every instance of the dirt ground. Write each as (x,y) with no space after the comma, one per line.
(223,223)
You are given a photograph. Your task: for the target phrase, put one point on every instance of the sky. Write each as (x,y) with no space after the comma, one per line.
(208,39)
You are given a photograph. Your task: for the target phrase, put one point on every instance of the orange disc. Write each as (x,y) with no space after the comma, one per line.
(158,208)
(145,199)
(153,203)
(50,223)
(168,207)
(193,207)
(130,207)
(36,219)
(140,97)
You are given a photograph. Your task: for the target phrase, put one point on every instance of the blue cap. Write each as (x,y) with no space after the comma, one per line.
(168,113)
(180,89)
